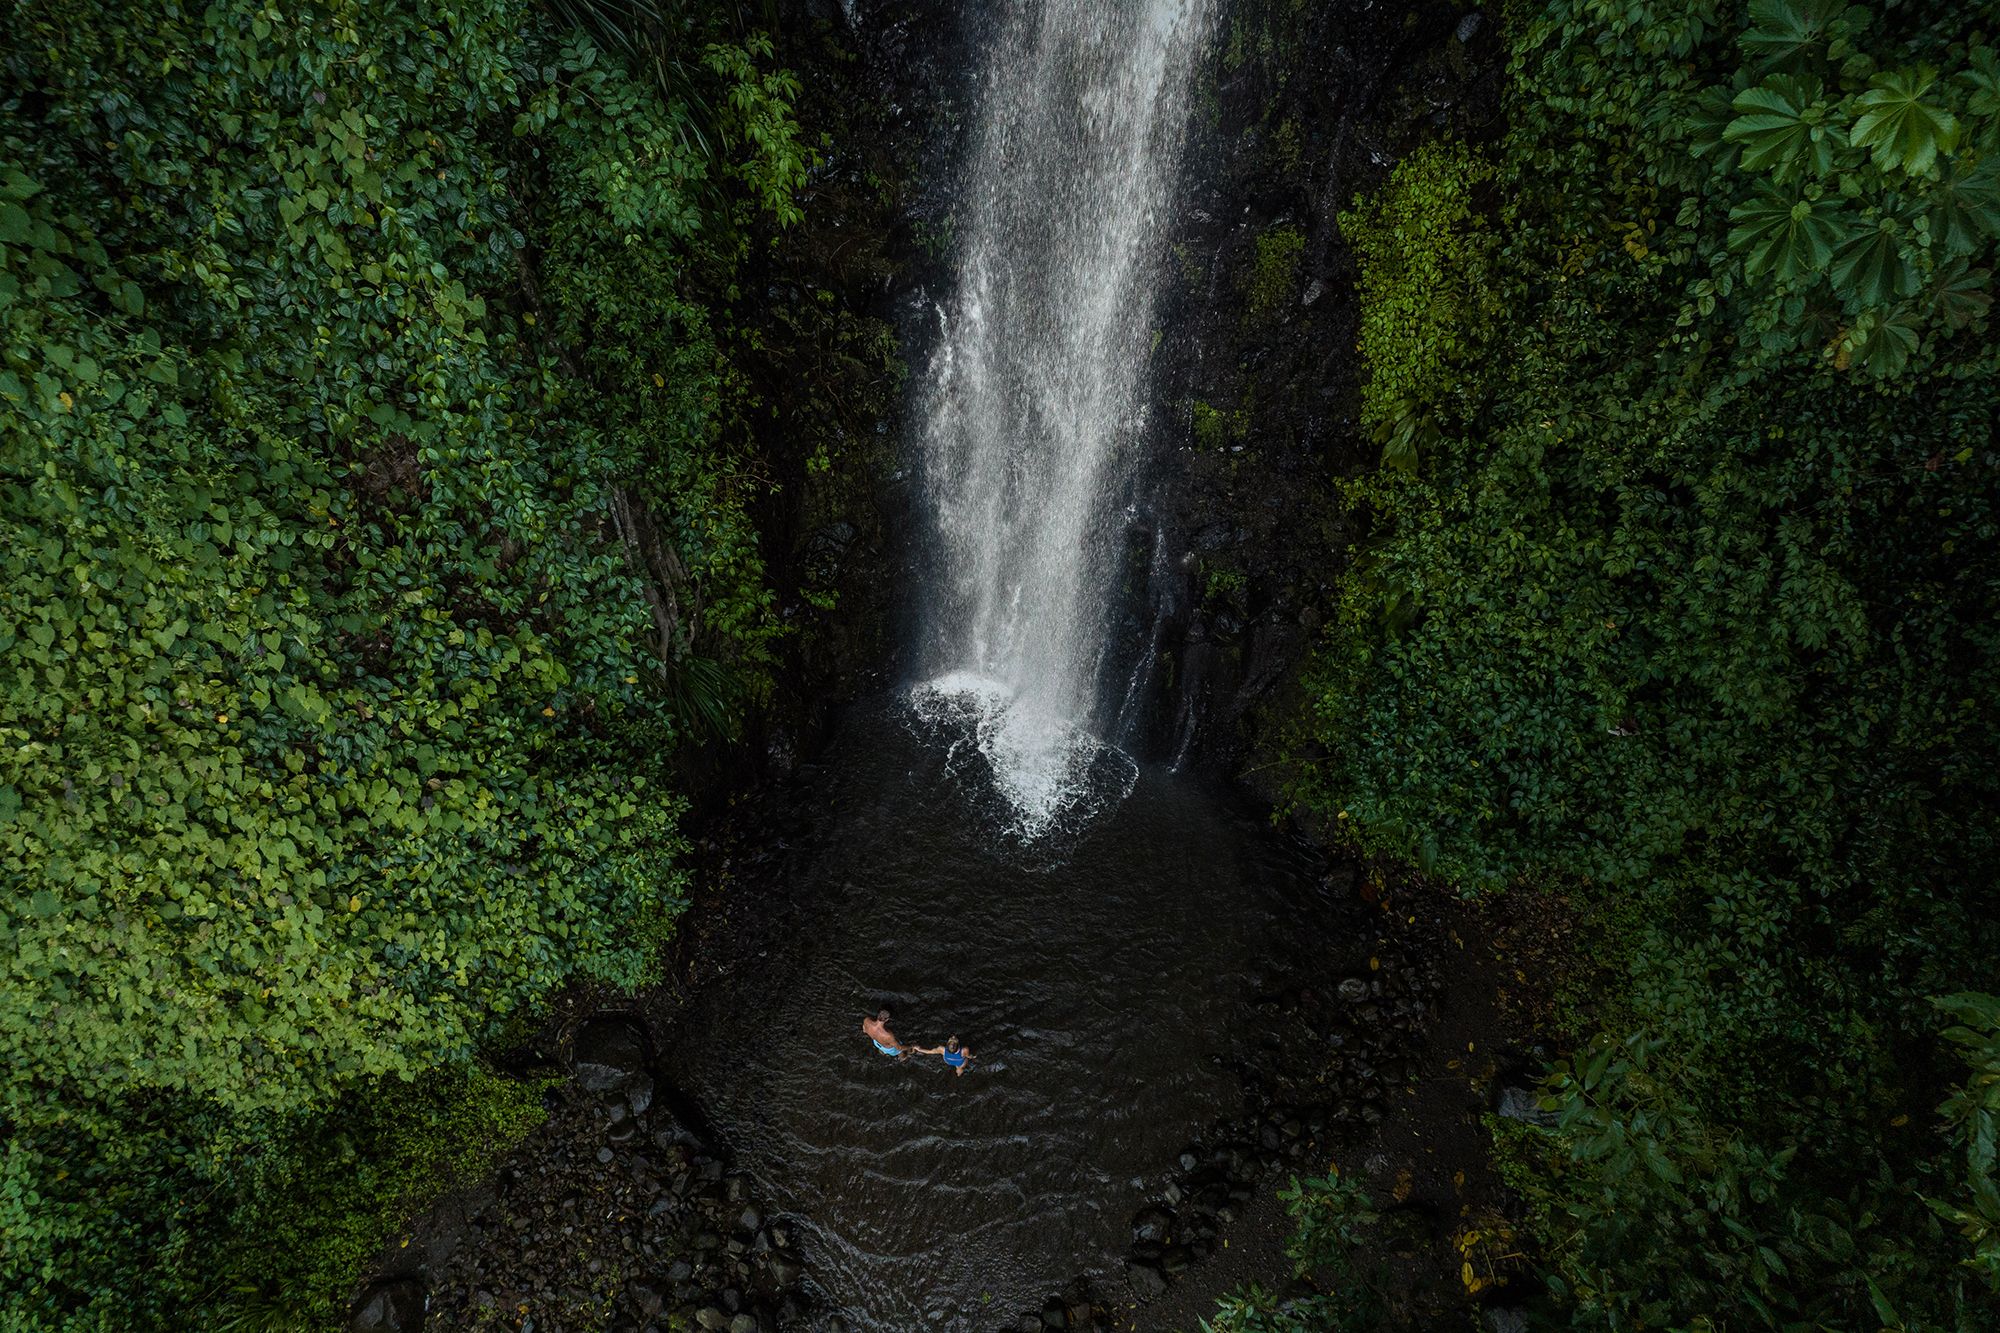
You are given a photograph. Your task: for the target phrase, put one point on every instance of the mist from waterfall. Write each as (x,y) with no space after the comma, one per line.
(1035,409)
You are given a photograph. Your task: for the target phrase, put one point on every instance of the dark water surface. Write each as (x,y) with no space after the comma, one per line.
(1103,988)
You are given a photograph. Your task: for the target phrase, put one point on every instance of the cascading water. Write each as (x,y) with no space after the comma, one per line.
(1035,406)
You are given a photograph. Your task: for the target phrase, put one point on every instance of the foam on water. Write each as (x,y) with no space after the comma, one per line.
(1049,772)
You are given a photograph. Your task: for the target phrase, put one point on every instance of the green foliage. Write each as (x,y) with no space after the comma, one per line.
(1425,307)
(1218,428)
(1854,174)
(1274,273)
(1906,133)
(1332,1221)
(1657,1216)
(1690,609)
(135,1200)
(373,525)
(1223,584)
(1973,1114)
(1331,1218)
(1782,237)
(326,1195)
(1256,1310)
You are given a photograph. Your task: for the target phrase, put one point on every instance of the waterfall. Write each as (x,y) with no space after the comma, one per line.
(1034,413)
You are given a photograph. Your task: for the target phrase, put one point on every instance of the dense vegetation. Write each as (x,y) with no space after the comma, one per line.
(1680,602)
(373,526)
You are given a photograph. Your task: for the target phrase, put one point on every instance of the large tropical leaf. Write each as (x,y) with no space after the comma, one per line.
(1781,126)
(1870,270)
(1884,343)
(1789,238)
(1708,128)
(1906,132)
(1793,31)
(1981,80)
(1961,294)
(1966,211)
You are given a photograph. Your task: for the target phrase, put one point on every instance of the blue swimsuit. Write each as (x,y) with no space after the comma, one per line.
(886,1050)
(956,1059)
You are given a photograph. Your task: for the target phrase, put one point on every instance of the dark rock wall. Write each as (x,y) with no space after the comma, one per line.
(1308,105)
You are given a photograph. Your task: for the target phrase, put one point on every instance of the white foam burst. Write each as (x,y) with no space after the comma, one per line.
(1049,772)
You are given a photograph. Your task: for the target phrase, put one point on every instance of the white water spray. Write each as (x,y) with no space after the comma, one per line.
(1035,409)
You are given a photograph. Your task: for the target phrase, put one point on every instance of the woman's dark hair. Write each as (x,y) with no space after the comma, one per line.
(952,1044)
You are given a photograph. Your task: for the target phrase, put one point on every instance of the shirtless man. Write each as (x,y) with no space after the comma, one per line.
(876,1029)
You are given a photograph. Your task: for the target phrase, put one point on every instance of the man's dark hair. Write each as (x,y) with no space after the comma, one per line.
(881,1015)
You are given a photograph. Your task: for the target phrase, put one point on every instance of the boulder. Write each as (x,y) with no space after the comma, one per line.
(608,1054)
(646,1298)
(1147,1280)
(1153,1223)
(1523,1105)
(395,1306)
(786,1268)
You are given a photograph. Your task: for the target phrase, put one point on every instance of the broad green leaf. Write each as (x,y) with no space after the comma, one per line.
(1905,132)
(1781,127)
(1966,213)
(1971,1007)
(15,224)
(1981,80)
(1870,270)
(1960,295)
(1790,239)
(1887,346)
(1782,31)
(1657,1162)
(1708,126)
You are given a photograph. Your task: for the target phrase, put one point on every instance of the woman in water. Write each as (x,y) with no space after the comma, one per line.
(954,1055)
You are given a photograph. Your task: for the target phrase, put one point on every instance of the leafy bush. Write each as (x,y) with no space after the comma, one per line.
(323,1198)
(1425,307)
(166,1209)
(1332,1221)
(373,525)
(1686,603)
(1973,1113)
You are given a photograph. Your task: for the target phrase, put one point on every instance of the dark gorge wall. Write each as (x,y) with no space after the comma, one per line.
(1258,375)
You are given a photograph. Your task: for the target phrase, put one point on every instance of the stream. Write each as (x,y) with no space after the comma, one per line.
(1101,990)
